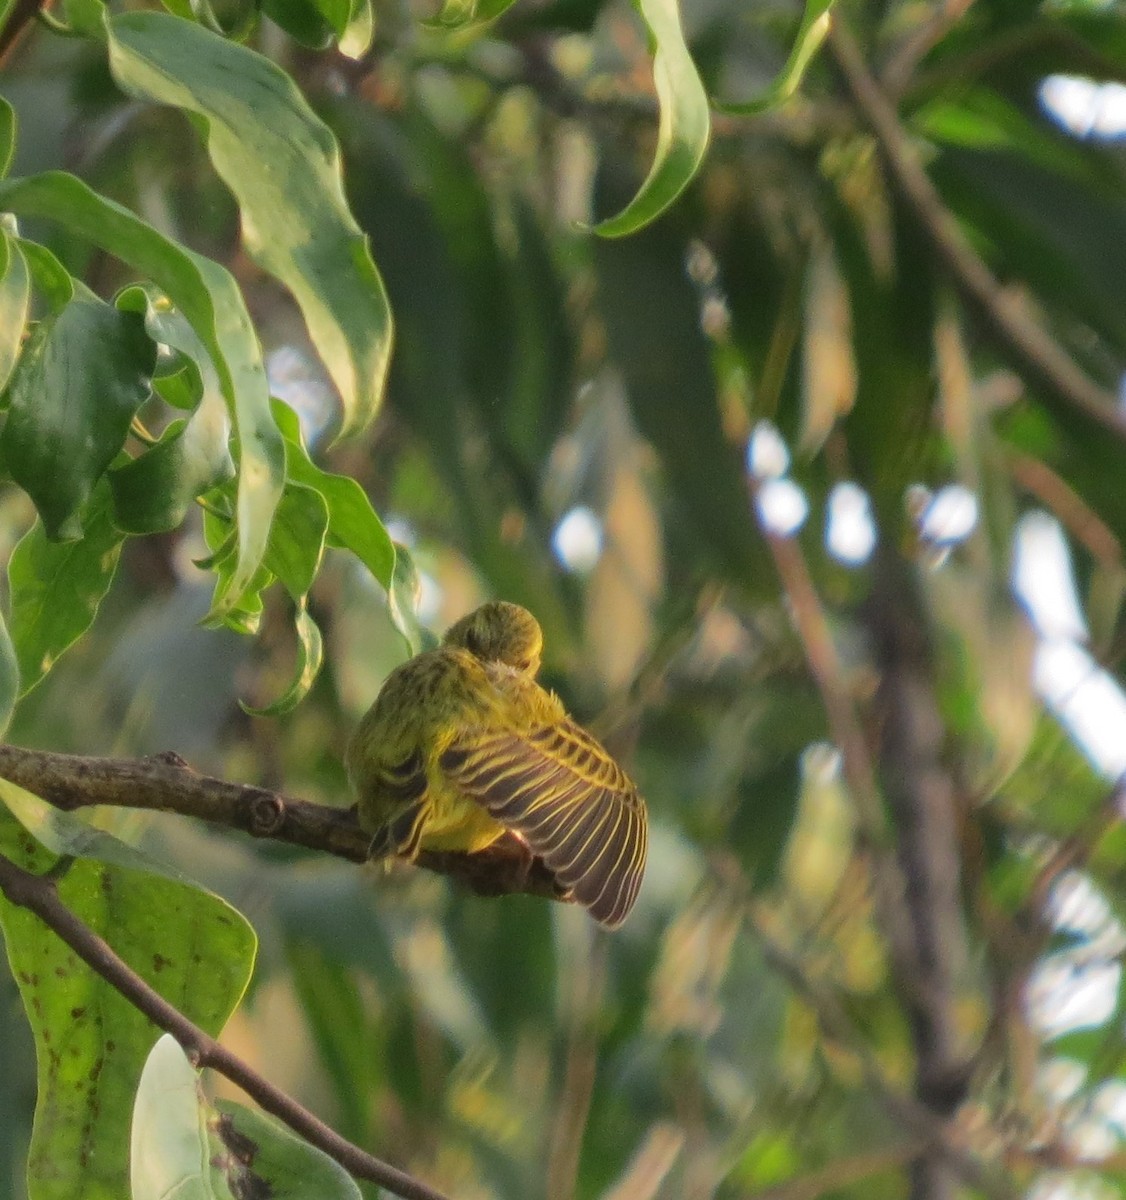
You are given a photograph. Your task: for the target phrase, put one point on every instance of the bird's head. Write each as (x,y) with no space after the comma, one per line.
(500,632)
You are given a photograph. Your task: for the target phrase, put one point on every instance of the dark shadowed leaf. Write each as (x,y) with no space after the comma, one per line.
(81,379)
(56,587)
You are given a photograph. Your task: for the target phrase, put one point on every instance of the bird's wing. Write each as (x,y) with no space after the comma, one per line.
(568,799)
(401,788)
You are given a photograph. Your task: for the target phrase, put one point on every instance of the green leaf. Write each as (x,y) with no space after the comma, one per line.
(811,33)
(283,165)
(184,1147)
(350,1039)
(80,380)
(15,300)
(154,492)
(49,275)
(310,656)
(56,588)
(243,617)
(209,298)
(90,1042)
(352,522)
(685,122)
(9,677)
(358,33)
(289,1167)
(312,24)
(86,17)
(7,132)
(297,540)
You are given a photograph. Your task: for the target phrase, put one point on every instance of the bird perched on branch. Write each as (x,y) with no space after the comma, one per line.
(462,745)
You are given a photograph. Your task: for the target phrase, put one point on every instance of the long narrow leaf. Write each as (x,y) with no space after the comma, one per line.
(685,122)
(283,165)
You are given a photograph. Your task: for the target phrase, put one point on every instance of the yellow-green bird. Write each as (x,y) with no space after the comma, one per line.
(462,745)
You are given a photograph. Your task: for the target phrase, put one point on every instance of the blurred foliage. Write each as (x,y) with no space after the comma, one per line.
(565,424)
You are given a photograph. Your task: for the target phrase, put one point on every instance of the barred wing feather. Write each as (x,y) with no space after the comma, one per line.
(568,799)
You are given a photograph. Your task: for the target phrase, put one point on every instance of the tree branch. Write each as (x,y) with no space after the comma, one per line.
(165,783)
(22,14)
(39,895)
(922,799)
(1035,351)
(915,885)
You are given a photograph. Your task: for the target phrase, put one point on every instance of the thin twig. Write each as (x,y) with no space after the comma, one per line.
(824,665)
(165,783)
(1029,345)
(38,894)
(896,75)
(22,14)
(1073,512)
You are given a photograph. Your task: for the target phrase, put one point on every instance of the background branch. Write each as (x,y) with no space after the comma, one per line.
(39,895)
(1036,352)
(922,799)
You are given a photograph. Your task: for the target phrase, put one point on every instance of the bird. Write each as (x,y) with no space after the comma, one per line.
(462,745)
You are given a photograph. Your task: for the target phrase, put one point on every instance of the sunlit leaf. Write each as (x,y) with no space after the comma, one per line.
(90,1041)
(811,33)
(685,122)
(356,38)
(402,600)
(283,165)
(80,380)
(169,1146)
(9,676)
(7,126)
(185,1147)
(15,298)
